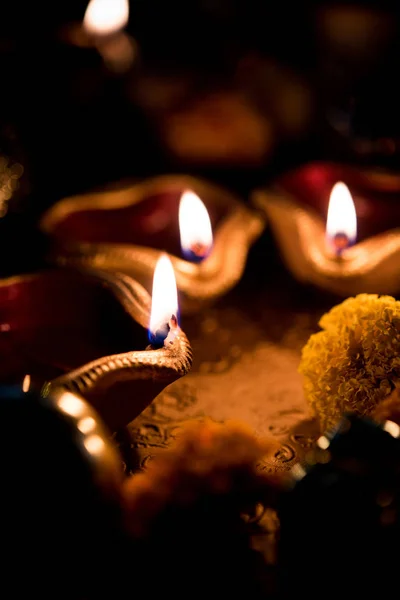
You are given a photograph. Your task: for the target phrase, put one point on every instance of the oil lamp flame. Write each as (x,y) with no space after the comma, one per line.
(164,304)
(341,223)
(195,227)
(105,17)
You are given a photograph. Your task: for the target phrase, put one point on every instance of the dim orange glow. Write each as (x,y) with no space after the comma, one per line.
(392,428)
(94,444)
(323,442)
(71,404)
(298,472)
(105,17)
(26,384)
(194,226)
(86,425)
(164,302)
(341,223)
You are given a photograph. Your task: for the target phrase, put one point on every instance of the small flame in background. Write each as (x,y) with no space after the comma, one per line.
(195,227)
(341,223)
(105,17)
(164,303)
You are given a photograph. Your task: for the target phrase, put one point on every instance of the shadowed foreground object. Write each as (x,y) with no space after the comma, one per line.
(72,527)
(60,515)
(187,511)
(344,510)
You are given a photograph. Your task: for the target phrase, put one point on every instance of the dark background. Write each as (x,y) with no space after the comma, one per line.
(233,90)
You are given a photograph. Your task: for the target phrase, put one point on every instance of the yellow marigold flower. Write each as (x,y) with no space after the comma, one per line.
(354,362)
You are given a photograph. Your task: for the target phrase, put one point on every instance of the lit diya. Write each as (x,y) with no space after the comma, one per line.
(325,252)
(205,229)
(76,332)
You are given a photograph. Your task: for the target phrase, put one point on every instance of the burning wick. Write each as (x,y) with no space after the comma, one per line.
(160,336)
(164,304)
(340,242)
(341,222)
(195,228)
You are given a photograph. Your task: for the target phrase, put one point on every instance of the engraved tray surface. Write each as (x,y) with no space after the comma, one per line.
(246,353)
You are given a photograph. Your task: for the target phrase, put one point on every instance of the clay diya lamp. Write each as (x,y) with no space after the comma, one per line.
(126,229)
(86,333)
(325,251)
